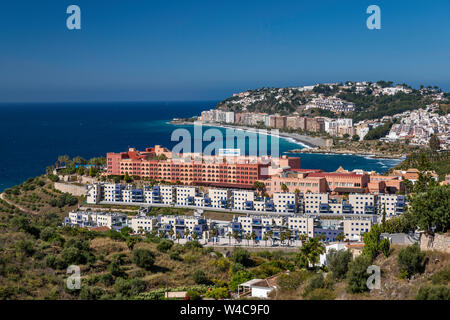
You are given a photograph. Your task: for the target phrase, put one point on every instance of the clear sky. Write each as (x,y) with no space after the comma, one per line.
(207,50)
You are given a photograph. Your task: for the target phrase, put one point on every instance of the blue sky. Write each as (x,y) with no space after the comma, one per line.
(206,50)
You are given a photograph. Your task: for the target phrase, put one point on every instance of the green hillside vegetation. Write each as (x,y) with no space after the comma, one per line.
(371,107)
(427,160)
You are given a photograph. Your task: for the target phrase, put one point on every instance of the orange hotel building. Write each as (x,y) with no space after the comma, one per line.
(145,164)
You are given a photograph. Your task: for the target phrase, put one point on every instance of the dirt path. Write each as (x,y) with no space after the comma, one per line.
(16,205)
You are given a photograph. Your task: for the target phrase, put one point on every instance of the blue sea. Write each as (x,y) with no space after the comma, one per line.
(32,136)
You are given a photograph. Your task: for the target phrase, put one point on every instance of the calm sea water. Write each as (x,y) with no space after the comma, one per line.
(32,136)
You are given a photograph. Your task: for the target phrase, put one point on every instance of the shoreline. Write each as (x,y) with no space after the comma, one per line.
(304,141)
(310,145)
(371,155)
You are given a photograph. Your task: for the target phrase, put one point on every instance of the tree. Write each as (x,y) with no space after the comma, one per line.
(371,242)
(236,235)
(355,137)
(242,256)
(383,219)
(186,232)
(430,211)
(338,262)
(144,258)
(127,178)
(357,274)
(253,236)
(248,237)
(178,236)
(385,247)
(411,260)
(259,186)
(310,252)
(265,238)
(434,143)
(284,188)
(229,235)
(213,233)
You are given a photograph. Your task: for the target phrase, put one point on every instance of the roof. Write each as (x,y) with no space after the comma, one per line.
(356,245)
(334,174)
(349,190)
(100,229)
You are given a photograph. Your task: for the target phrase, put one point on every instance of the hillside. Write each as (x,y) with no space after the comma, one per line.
(370,100)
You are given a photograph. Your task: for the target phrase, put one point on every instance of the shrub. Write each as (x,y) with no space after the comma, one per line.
(193,244)
(293,280)
(222,264)
(242,256)
(441,277)
(164,245)
(321,294)
(128,288)
(88,293)
(411,260)
(217,293)
(357,274)
(238,278)
(175,255)
(115,270)
(26,247)
(193,295)
(433,293)
(144,258)
(73,255)
(200,277)
(338,262)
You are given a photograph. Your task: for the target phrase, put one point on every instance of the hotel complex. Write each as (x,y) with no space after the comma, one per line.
(294,201)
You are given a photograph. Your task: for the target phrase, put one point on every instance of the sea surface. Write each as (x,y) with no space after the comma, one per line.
(32,136)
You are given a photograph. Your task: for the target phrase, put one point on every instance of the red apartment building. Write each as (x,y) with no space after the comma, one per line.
(148,163)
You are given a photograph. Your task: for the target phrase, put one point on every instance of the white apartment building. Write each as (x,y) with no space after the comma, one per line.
(220,198)
(185,195)
(94,193)
(301,225)
(394,204)
(141,224)
(355,227)
(113,192)
(362,203)
(243,199)
(96,219)
(312,201)
(285,202)
(167,194)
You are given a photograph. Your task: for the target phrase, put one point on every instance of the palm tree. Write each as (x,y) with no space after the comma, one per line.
(311,250)
(186,233)
(229,234)
(194,235)
(248,236)
(178,236)
(284,188)
(282,237)
(270,234)
(288,236)
(265,238)
(236,235)
(253,236)
(171,232)
(213,234)
(161,234)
